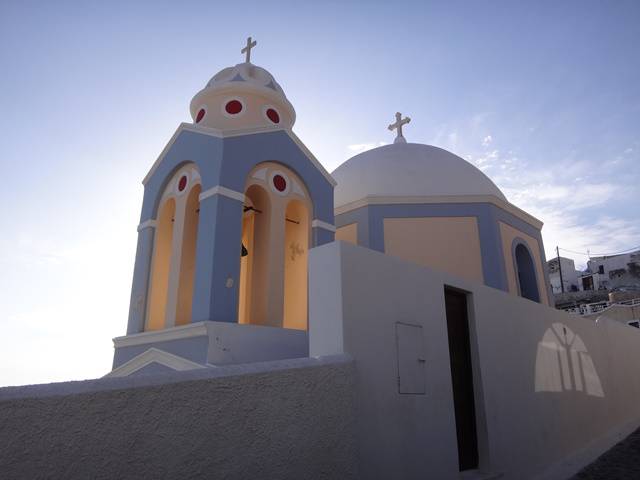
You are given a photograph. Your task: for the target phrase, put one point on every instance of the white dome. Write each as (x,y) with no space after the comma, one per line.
(254,87)
(245,72)
(409,169)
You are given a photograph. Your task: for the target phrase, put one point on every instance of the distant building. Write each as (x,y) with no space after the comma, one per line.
(569,275)
(588,281)
(616,271)
(606,280)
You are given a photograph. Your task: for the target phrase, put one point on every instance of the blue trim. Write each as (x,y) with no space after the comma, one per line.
(359,216)
(140,281)
(370,221)
(205,151)
(520,241)
(532,231)
(320,236)
(226,162)
(217,260)
(193,348)
(242,154)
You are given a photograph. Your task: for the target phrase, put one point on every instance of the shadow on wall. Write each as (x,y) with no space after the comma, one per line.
(564,364)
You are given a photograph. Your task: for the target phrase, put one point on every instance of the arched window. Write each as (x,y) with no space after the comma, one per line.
(526,273)
(254,256)
(174,251)
(161,266)
(188,257)
(296,247)
(276,236)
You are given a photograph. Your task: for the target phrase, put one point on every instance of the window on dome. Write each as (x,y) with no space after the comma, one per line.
(272,114)
(201,114)
(233,107)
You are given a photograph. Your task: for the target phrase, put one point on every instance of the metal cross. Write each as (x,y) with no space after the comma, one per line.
(248,48)
(398,126)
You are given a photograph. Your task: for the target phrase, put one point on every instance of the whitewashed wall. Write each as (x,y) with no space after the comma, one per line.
(552,390)
(288,419)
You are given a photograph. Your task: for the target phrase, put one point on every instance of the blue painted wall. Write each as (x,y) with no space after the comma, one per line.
(370,227)
(225,162)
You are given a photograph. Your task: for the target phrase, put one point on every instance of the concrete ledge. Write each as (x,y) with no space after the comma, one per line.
(118,383)
(215,343)
(284,420)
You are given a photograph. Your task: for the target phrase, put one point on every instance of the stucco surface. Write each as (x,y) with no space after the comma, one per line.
(280,420)
(409,169)
(449,244)
(551,389)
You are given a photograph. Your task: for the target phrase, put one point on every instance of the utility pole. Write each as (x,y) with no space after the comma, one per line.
(560,269)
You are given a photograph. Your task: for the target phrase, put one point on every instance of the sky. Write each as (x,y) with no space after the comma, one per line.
(544,97)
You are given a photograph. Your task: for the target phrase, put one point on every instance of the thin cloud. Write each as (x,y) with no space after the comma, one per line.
(569,198)
(363,147)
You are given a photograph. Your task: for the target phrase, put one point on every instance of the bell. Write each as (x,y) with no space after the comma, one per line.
(244,251)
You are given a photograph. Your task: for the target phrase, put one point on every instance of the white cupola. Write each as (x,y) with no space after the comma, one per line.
(242,96)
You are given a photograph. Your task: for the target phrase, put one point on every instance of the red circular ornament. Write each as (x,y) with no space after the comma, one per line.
(279,182)
(233,107)
(200,115)
(273,115)
(182,183)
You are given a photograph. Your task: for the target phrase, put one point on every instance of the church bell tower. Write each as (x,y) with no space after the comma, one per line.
(231,208)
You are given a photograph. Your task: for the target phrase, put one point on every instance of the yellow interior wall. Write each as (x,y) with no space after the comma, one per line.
(160,266)
(273,285)
(254,282)
(508,235)
(348,233)
(188,257)
(448,244)
(245,268)
(296,246)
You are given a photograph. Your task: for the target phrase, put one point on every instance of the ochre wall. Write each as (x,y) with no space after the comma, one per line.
(348,233)
(296,246)
(508,235)
(160,270)
(448,244)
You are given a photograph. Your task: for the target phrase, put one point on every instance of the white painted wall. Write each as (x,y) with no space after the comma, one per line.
(569,274)
(552,390)
(289,419)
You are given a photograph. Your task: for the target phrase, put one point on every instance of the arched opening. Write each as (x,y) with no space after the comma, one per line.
(296,247)
(188,256)
(161,266)
(526,273)
(254,256)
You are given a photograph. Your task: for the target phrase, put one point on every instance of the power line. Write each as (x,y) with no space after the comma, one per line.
(610,254)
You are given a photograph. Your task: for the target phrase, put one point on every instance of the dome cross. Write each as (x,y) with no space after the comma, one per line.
(398,126)
(247,49)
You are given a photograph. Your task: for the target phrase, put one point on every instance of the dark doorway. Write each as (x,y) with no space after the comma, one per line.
(462,378)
